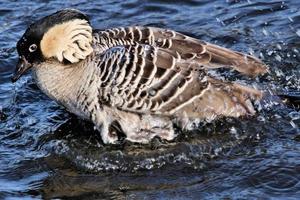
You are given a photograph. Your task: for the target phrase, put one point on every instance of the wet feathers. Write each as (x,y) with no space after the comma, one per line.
(140,80)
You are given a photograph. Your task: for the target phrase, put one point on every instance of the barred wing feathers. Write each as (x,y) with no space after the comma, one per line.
(158,71)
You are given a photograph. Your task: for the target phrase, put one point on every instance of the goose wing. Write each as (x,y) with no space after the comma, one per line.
(150,70)
(188,48)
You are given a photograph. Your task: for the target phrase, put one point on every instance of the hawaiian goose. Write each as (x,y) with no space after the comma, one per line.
(138,80)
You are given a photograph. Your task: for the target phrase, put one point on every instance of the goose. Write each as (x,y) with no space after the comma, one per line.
(139,80)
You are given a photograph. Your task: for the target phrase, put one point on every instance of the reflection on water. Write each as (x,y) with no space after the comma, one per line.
(46,152)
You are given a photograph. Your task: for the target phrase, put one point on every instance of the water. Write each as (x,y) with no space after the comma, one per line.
(47,153)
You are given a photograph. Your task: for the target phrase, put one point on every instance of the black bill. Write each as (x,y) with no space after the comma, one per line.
(22,66)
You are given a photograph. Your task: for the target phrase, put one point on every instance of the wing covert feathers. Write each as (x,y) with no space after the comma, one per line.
(158,71)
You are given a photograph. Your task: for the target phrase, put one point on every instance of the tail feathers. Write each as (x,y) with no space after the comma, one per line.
(228,99)
(246,64)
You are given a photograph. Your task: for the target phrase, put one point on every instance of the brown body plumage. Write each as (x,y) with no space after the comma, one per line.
(139,80)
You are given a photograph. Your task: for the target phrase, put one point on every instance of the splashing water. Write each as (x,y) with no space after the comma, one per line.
(46,152)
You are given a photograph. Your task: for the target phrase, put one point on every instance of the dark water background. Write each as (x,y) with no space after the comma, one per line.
(46,153)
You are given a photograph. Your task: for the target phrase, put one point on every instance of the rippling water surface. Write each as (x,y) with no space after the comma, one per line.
(47,153)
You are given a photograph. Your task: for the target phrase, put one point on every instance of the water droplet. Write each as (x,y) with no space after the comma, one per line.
(278,58)
(293,124)
(147,47)
(261,55)
(152,92)
(257,136)
(233,130)
(218,20)
(31,120)
(294,115)
(251,51)
(114,90)
(277,116)
(261,118)
(265,32)
(270,52)
(278,46)
(279,73)
(298,32)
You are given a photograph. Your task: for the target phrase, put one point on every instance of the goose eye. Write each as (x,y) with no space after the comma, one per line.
(32,48)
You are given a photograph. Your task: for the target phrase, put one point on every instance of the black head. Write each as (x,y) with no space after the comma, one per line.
(29,45)
(29,48)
